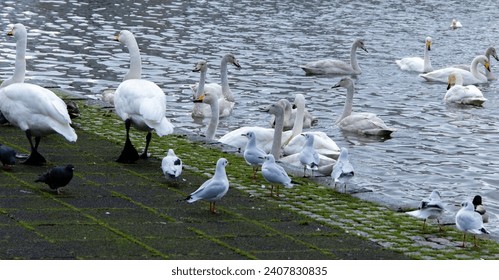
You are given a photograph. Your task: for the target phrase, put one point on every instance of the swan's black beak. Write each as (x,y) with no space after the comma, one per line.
(365,49)
(117,37)
(236,63)
(199,99)
(336,86)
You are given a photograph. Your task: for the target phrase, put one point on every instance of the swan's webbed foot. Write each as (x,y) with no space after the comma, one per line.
(35,158)
(129,153)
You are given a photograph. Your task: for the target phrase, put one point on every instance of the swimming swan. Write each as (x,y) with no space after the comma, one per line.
(490,51)
(211,99)
(361,123)
(290,113)
(334,66)
(201,110)
(469,78)
(35,110)
(293,144)
(455,24)
(417,64)
(224,89)
(139,102)
(268,139)
(457,93)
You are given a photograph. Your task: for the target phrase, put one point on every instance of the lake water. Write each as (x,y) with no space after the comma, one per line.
(452,149)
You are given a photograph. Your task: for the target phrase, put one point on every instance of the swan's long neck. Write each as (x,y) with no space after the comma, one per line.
(202,79)
(279,125)
(427,62)
(353,58)
(347,108)
(488,73)
(474,70)
(225,81)
(298,125)
(135,62)
(212,127)
(20,66)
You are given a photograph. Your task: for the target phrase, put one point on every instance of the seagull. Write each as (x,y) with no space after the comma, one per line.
(309,157)
(467,220)
(213,189)
(253,154)
(57,177)
(430,208)
(477,203)
(342,169)
(275,174)
(7,156)
(171,165)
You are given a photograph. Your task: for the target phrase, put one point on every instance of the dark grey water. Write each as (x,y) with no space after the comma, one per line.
(454,150)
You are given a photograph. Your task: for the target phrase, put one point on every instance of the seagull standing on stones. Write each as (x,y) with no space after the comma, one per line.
(213,189)
(275,174)
(253,154)
(467,220)
(342,169)
(430,208)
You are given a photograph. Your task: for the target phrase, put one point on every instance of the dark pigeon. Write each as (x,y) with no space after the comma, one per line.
(7,156)
(57,177)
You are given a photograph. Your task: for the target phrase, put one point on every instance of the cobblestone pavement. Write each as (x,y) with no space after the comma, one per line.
(120,211)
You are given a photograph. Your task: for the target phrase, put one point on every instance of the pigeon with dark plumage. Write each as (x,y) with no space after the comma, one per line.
(57,177)
(7,156)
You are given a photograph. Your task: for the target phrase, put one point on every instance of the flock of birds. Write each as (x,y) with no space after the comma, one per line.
(142,104)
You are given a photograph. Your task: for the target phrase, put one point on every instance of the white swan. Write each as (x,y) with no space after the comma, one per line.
(211,99)
(224,88)
(293,144)
(417,64)
(361,123)
(268,139)
(489,52)
(334,66)
(455,24)
(20,34)
(35,110)
(457,93)
(469,78)
(290,113)
(201,110)
(139,102)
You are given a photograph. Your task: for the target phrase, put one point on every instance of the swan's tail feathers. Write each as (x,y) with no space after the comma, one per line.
(66,131)
(165,127)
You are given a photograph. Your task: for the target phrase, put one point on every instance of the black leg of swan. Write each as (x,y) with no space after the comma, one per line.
(129,153)
(35,158)
(144,155)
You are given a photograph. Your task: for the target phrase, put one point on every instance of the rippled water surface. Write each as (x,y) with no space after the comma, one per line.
(452,149)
